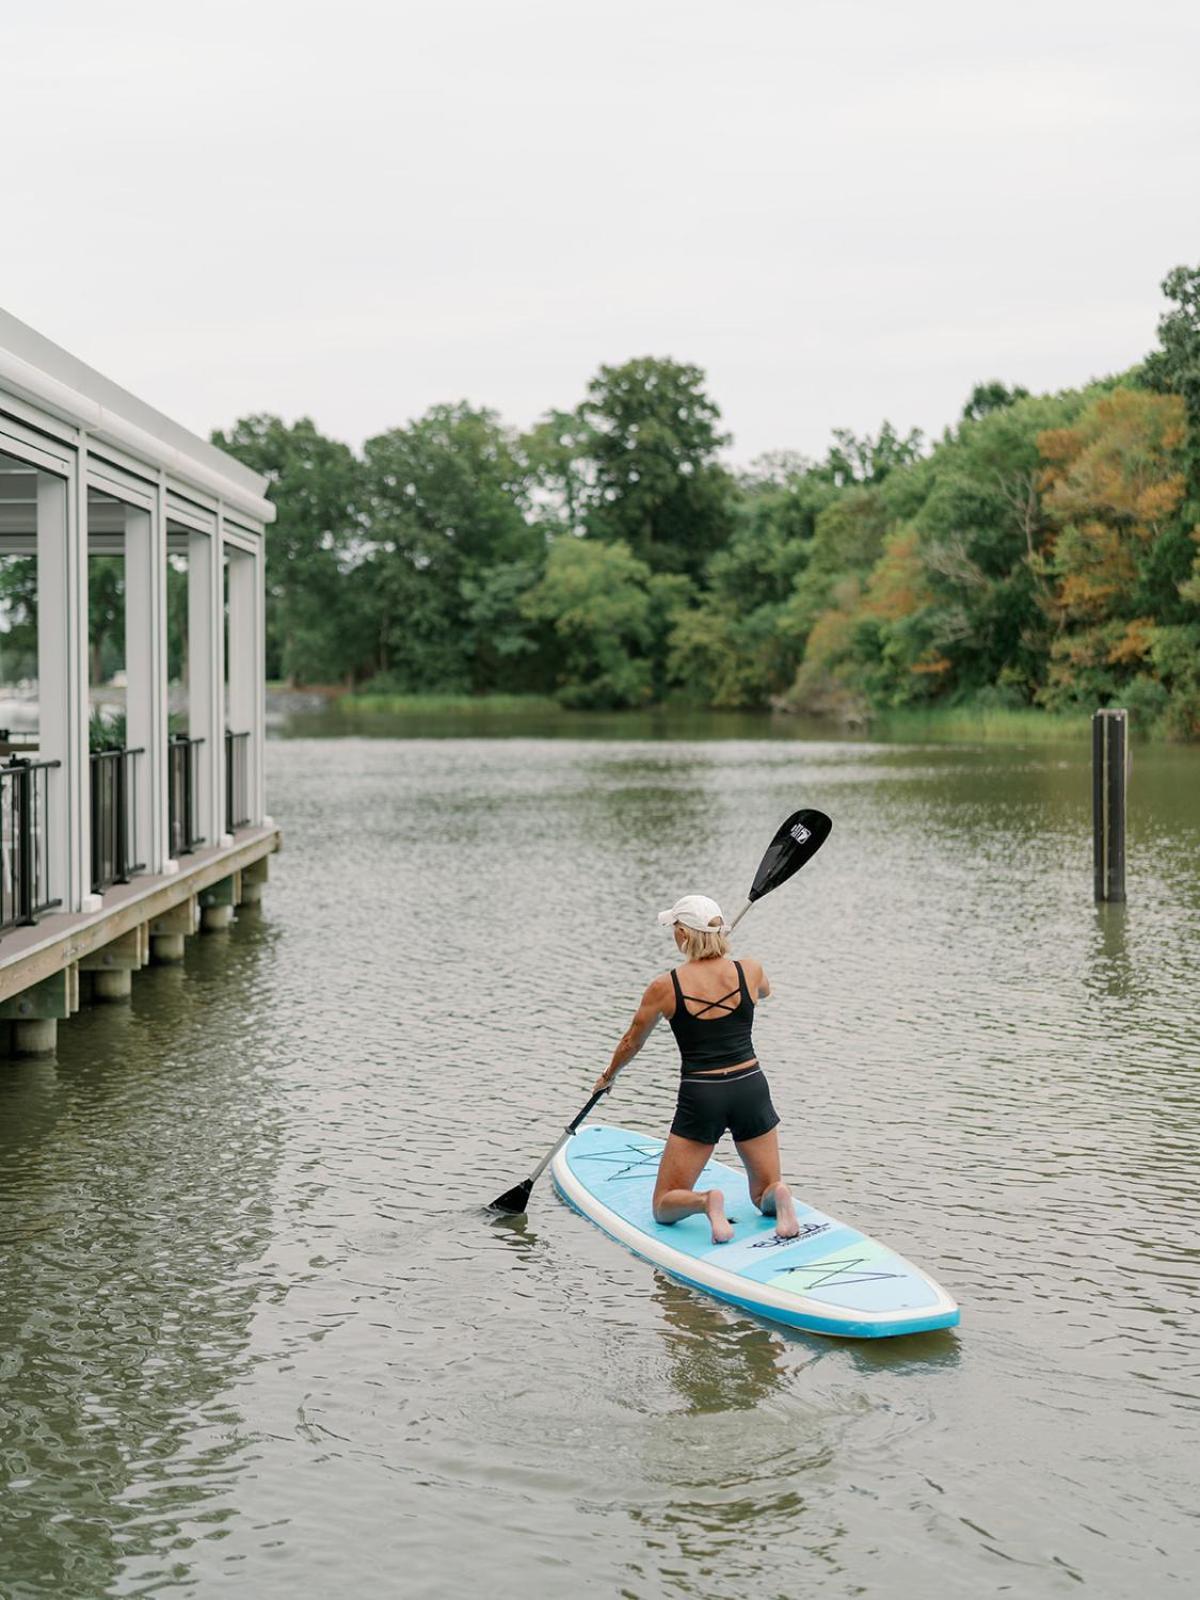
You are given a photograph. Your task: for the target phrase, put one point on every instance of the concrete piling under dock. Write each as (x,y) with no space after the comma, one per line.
(48,969)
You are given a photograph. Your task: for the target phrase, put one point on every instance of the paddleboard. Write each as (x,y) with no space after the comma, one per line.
(831,1280)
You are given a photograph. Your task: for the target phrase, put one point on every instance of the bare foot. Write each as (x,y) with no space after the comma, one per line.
(786,1224)
(722,1228)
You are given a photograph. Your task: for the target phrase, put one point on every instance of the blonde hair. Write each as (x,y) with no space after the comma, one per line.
(699,946)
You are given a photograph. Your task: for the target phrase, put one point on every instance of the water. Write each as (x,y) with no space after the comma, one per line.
(257,1337)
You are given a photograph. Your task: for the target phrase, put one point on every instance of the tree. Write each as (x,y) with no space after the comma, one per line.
(313,634)
(847,540)
(982,536)
(929,582)
(1113,485)
(869,460)
(605,611)
(18,618)
(450,531)
(985,398)
(740,645)
(1174,368)
(106,616)
(560,452)
(658,485)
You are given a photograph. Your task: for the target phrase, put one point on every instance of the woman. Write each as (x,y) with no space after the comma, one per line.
(709,1002)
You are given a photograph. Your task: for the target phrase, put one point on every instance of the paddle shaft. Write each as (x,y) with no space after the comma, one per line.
(567,1133)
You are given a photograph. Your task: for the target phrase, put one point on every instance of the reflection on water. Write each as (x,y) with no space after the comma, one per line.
(1111,974)
(258,1337)
(129,1278)
(719,1363)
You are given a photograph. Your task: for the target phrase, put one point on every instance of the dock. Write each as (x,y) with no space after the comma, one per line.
(120,840)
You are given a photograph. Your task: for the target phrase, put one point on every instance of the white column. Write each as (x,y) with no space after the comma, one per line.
(62,682)
(247,666)
(146,678)
(206,679)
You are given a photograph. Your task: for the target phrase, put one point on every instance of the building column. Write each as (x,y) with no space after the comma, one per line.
(146,715)
(206,679)
(62,633)
(247,666)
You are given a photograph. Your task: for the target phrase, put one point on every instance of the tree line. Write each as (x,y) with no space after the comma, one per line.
(1042,552)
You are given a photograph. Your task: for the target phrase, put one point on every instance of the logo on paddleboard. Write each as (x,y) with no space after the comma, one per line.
(801,834)
(807,1230)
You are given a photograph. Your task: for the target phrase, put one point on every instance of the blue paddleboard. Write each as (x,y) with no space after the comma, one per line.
(832,1279)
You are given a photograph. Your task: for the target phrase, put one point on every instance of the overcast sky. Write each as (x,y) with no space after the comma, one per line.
(842,210)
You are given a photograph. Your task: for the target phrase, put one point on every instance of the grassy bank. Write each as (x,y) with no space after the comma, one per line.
(946,724)
(448,705)
(963,723)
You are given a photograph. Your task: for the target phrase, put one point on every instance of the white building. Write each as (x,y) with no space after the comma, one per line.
(121,853)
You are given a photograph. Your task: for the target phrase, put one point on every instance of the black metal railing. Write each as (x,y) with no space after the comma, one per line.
(25,841)
(183,793)
(114,817)
(237,780)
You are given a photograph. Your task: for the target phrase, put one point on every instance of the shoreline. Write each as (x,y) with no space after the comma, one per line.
(950,724)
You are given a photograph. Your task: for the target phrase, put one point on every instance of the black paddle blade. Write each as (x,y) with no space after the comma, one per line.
(514,1200)
(800,837)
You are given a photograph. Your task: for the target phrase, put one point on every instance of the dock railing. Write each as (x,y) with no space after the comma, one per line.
(115,835)
(183,805)
(237,780)
(25,841)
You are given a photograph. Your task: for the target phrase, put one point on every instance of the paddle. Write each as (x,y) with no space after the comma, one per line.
(796,841)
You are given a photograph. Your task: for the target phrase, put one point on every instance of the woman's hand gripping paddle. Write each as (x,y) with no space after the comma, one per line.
(796,842)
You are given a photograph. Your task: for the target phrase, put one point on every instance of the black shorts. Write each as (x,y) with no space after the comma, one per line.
(739,1101)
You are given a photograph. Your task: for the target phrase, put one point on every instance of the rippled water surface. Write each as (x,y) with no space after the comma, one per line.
(258,1338)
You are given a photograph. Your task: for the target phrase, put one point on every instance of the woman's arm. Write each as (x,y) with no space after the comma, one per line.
(756,979)
(639,1030)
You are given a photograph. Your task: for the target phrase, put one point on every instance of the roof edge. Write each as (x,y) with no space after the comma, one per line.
(48,376)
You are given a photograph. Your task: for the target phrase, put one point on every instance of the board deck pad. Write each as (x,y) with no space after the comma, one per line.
(832,1279)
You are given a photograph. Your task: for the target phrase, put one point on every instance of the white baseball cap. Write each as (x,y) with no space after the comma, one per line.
(698,912)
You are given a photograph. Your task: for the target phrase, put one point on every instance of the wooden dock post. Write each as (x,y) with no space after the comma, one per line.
(168,932)
(36,1012)
(217,903)
(112,966)
(1110,746)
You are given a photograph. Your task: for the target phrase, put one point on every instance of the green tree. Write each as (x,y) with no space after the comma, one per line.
(659,487)
(560,453)
(929,584)
(18,618)
(740,644)
(982,533)
(451,533)
(604,612)
(313,634)
(869,460)
(991,396)
(1174,368)
(847,540)
(106,617)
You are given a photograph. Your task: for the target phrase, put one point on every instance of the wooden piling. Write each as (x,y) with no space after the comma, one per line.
(1110,745)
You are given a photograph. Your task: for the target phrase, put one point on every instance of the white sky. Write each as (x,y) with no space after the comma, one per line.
(841,209)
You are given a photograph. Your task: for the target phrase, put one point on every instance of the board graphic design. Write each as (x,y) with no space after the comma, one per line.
(832,1279)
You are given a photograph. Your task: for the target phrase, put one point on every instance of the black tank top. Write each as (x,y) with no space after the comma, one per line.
(720,1041)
